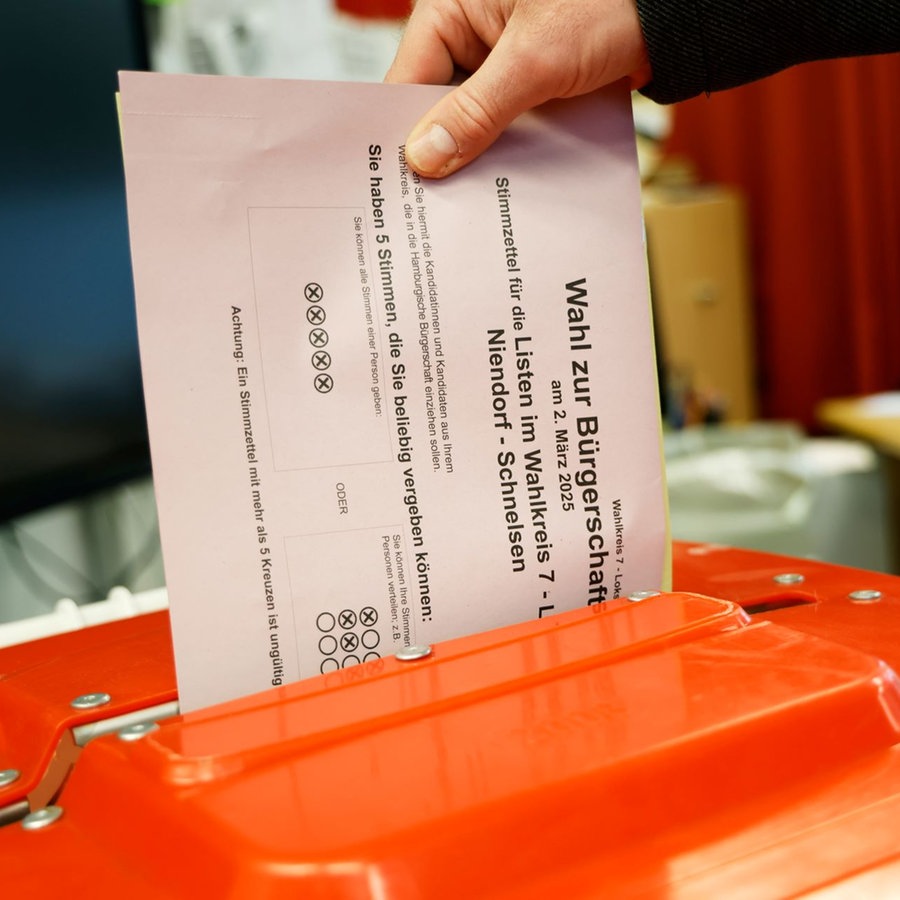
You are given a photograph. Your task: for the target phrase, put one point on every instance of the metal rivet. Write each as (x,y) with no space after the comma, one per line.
(137,731)
(90,701)
(416,651)
(8,776)
(789,578)
(41,818)
(637,596)
(865,596)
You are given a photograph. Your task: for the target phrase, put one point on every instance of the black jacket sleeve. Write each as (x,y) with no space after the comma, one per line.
(698,46)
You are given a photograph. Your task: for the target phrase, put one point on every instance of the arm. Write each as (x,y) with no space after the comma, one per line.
(524,52)
(710,45)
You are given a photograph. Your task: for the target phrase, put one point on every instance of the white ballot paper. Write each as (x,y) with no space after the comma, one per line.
(385,411)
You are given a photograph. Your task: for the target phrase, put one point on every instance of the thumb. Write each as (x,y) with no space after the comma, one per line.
(464,123)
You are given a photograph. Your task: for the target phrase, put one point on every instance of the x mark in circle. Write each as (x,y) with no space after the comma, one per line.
(349,641)
(347,618)
(313,292)
(318,337)
(321,359)
(324,383)
(315,315)
(368,616)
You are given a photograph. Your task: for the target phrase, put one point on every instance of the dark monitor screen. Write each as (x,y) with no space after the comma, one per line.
(71,405)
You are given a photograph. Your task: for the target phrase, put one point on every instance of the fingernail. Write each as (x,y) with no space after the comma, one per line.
(432,151)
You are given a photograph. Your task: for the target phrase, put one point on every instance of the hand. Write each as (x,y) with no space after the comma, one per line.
(521,53)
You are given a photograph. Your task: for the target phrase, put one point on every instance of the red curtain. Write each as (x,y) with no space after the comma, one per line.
(816,150)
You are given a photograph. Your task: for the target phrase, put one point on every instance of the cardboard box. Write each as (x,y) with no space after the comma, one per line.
(700,281)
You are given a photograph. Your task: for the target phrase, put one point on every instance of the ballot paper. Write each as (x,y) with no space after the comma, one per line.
(385,411)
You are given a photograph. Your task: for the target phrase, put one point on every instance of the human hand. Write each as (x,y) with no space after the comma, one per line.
(521,53)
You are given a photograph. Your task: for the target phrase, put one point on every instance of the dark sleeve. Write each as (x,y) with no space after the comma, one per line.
(697,46)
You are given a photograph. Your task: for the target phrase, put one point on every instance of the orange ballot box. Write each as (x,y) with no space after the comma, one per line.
(736,737)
